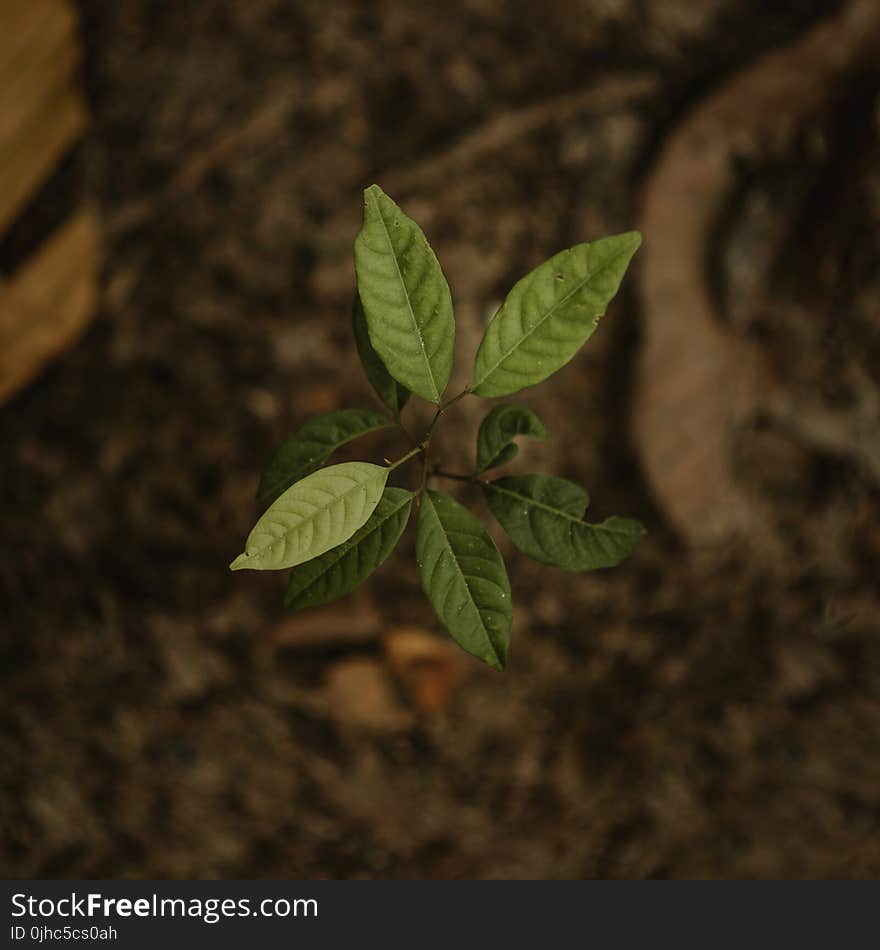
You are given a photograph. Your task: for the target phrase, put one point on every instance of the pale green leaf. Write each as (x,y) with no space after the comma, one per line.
(543,517)
(405,297)
(550,314)
(388,389)
(464,577)
(313,515)
(312,444)
(343,568)
(495,445)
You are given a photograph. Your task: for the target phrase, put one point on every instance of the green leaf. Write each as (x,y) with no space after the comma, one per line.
(405,296)
(550,314)
(317,513)
(343,568)
(464,577)
(312,444)
(543,517)
(388,389)
(495,445)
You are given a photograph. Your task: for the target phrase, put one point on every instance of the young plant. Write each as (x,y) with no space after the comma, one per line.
(335,525)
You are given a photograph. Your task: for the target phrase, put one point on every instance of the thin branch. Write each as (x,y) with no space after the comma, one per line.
(408,456)
(424,479)
(465,392)
(425,445)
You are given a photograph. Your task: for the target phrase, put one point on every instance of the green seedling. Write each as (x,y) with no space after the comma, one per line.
(334,525)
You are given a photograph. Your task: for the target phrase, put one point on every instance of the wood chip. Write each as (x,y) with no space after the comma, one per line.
(429,668)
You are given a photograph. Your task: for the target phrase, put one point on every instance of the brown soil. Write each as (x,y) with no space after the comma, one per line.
(703,711)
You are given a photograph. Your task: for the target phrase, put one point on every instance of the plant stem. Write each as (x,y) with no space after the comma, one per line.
(439,412)
(425,445)
(408,456)
(454,400)
(426,442)
(442,409)
(424,479)
(430,430)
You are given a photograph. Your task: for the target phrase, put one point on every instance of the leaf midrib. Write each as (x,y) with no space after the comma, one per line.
(555,511)
(310,518)
(408,302)
(546,316)
(462,575)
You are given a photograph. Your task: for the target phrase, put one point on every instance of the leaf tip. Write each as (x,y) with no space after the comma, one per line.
(635,528)
(240,563)
(373,191)
(635,239)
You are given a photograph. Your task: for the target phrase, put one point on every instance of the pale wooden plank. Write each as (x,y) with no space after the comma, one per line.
(28,161)
(49,303)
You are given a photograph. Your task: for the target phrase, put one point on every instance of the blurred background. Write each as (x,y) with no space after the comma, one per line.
(180,187)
